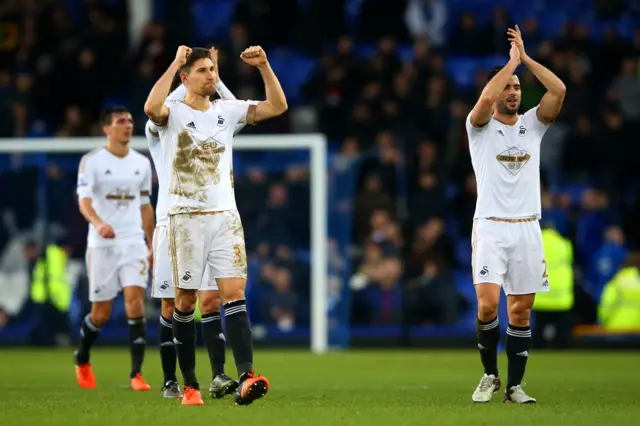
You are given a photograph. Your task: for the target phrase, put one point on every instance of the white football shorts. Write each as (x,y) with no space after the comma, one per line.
(510,254)
(162,287)
(111,269)
(197,240)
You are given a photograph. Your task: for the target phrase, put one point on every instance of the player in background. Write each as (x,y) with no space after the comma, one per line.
(208,296)
(506,240)
(204,225)
(114,185)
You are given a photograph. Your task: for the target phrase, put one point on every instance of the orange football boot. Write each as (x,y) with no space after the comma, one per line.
(138,384)
(85,377)
(192,396)
(251,388)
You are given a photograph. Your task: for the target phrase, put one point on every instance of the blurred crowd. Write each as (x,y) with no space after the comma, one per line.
(388,97)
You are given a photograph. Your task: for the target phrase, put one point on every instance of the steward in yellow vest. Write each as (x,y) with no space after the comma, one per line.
(558,253)
(619,308)
(51,294)
(49,282)
(552,309)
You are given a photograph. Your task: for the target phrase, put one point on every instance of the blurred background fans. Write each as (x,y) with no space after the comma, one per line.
(389,83)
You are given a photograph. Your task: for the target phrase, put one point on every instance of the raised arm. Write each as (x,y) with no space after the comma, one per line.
(483,109)
(551,102)
(276,102)
(154,106)
(223,91)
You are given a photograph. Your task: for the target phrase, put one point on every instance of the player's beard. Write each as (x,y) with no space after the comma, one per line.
(207,93)
(505,109)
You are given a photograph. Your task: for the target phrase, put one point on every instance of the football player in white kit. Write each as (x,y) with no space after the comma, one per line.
(506,239)
(208,296)
(196,138)
(114,185)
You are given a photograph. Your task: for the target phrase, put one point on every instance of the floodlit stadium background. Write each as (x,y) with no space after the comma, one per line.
(389,84)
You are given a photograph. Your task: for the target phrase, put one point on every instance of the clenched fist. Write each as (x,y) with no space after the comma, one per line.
(254,56)
(105,231)
(182,54)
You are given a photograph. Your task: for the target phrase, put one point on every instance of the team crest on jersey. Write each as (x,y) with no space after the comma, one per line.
(221,121)
(513,159)
(522,132)
(121,197)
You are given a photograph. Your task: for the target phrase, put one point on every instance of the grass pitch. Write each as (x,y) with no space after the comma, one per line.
(351,388)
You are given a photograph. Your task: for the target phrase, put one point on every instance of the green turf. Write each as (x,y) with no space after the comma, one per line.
(352,388)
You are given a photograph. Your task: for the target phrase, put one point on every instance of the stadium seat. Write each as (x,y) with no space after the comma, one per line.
(488,62)
(551,22)
(463,251)
(462,70)
(212,18)
(293,72)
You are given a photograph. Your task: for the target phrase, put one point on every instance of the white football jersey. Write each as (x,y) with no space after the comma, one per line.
(506,162)
(115,186)
(196,150)
(152,132)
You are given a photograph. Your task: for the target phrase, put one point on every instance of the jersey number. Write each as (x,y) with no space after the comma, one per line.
(238,258)
(195,167)
(545,274)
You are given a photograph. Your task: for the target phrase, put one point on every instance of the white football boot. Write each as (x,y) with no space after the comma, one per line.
(516,395)
(488,385)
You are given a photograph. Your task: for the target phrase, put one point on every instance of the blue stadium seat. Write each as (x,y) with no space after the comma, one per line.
(462,70)
(353,10)
(293,71)
(464,284)
(365,51)
(118,312)
(575,191)
(212,18)
(552,21)
(488,62)
(463,251)
(405,53)
(452,227)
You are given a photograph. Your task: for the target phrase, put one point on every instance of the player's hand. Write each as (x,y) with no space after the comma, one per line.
(515,36)
(254,56)
(214,58)
(106,231)
(514,53)
(182,54)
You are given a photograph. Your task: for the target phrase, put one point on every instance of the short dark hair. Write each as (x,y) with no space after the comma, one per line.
(196,54)
(107,114)
(495,70)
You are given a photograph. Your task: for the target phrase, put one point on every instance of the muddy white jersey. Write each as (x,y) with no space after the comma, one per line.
(196,150)
(506,162)
(118,187)
(152,132)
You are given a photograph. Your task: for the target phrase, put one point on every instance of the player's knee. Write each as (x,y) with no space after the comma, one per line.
(519,316)
(232,289)
(186,300)
(168,306)
(487,310)
(100,315)
(134,308)
(232,294)
(209,302)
